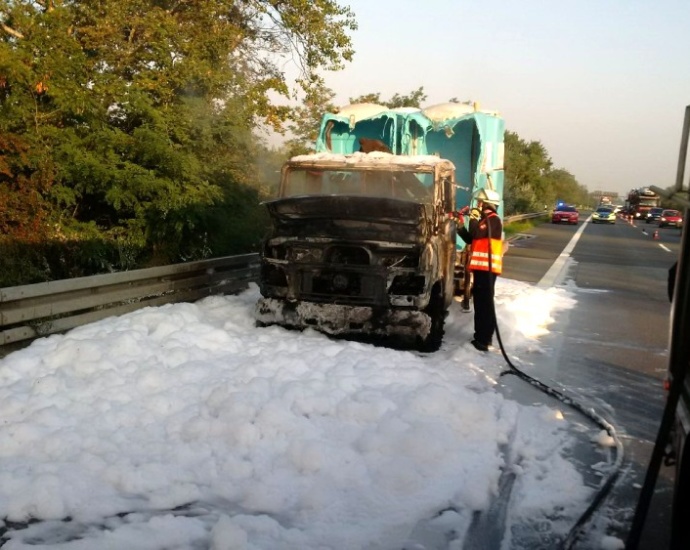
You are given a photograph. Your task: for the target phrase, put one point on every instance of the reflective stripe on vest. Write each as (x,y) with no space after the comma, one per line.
(479,258)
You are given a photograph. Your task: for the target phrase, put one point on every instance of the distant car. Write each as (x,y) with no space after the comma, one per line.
(565,214)
(671,217)
(653,215)
(604,214)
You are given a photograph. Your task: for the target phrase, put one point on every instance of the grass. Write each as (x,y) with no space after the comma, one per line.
(511,229)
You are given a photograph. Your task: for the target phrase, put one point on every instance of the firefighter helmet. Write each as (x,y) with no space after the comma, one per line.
(488,195)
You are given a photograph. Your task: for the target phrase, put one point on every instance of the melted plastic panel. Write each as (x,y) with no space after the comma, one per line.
(461,145)
(338,137)
(472,140)
(490,172)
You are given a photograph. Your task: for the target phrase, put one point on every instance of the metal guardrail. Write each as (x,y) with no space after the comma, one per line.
(520,217)
(32,311)
(35,310)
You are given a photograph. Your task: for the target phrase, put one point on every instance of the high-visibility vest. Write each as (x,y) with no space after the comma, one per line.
(479,256)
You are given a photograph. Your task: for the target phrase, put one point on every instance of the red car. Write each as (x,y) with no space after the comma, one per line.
(565,214)
(671,217)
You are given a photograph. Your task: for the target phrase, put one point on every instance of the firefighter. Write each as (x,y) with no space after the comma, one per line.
(485,234)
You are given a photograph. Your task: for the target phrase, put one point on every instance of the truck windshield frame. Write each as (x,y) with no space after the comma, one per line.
(416,186)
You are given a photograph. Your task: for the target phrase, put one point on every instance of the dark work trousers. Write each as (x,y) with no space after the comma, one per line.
(483,299)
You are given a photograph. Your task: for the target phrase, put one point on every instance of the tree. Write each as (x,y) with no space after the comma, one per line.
(306,119)
(23,210)
(414,99)
(367,98)
(526,163)
(531,182)
(562,185)
(129,117)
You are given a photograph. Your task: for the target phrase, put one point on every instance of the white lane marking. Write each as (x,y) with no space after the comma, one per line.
(557,269)
(665,248)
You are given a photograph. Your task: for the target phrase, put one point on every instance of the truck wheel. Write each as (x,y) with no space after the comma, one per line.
(437,312)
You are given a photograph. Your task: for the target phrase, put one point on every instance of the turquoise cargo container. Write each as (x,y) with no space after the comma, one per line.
(471,138)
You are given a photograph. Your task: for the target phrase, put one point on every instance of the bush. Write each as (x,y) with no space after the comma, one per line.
(24,262)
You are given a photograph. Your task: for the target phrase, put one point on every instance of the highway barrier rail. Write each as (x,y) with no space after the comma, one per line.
(521,217)
(41,309)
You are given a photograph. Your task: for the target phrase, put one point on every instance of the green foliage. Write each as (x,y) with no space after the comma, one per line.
(562,185)
(22,263)
(531,182)
(526,163)
(238,223)
(25,262)
(522,226)
(414,99)
(306,119)
(24,212)
(131,120)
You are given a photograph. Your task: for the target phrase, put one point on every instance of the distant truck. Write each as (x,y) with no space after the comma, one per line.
(362,239)
(640,201)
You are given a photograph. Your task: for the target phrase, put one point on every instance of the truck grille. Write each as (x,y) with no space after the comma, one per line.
(347,255)
(341,274)
(342,287)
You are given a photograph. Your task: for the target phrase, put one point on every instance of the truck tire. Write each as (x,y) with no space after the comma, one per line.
(436,310)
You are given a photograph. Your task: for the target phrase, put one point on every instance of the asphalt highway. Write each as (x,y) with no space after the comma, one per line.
(610,352)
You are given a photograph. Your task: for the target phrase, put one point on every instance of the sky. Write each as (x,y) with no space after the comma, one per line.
(602,84)
(186,427)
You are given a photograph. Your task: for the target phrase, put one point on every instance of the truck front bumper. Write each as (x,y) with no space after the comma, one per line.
(343,319)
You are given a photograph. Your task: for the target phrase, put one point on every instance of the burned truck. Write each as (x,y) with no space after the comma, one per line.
(361,244)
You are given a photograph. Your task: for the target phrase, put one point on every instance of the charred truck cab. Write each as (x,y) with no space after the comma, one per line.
(361,244)
(362,240)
